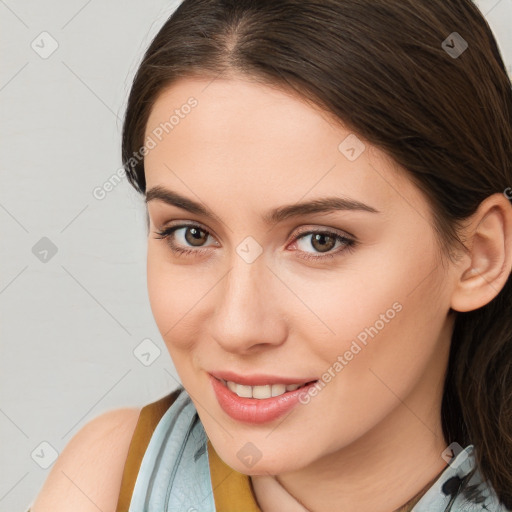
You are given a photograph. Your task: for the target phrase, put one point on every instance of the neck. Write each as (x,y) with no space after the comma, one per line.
(407,507)
(274,487)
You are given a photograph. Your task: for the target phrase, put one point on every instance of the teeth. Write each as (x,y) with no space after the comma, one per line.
(260,392)
(278,389)
(243,391)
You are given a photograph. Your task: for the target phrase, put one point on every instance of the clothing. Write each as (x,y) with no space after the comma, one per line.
(172,466)
(176,468)
(180,471)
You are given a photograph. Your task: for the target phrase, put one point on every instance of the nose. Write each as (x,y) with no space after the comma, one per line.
(247,315)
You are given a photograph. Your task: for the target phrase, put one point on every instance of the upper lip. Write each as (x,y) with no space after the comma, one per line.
(259,379)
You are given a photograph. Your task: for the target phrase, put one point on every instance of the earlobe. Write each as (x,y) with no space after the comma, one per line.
(489,242)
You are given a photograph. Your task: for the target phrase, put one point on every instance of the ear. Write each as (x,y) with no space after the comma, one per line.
(487,264)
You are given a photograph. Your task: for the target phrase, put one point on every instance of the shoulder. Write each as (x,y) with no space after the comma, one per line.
(87,474)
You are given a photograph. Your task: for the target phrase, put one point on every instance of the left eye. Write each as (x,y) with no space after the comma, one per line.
(322,241)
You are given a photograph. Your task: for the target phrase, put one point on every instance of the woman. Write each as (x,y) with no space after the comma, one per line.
(329,256)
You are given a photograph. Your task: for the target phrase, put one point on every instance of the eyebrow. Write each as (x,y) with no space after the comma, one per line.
(319,205)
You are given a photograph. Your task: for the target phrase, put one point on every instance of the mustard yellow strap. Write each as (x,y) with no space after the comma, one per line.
(232,490)
(149,417)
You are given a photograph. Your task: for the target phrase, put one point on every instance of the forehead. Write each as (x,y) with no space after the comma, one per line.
(241,111)
(243,133)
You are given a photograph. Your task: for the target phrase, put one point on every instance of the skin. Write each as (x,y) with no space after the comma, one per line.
(86,477)
(247,148)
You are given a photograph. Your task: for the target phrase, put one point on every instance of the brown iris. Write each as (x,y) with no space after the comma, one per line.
(321,238)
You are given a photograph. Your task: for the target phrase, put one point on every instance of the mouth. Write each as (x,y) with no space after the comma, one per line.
(261,392)
(258,399)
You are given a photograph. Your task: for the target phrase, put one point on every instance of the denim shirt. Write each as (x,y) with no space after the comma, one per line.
(175,475)
(460,488)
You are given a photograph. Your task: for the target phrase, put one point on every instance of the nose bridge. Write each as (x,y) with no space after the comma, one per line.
(246,313)
(243,292)
(244,285)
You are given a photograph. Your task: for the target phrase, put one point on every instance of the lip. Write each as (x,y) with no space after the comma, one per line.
(254,410)
(260,379)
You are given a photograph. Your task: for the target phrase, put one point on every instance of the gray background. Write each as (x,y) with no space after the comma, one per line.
(77,334)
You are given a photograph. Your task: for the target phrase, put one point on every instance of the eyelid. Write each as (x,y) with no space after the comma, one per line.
(320,228)
(168,230)
(180,224)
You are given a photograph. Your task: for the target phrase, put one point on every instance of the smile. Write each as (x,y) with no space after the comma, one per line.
(259,403)
(260,392)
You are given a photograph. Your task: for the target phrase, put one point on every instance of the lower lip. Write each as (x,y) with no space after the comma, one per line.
(255,410)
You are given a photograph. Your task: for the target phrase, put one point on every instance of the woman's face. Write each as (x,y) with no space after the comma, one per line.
(274,293)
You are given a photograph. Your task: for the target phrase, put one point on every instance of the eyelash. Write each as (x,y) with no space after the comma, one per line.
(168,232)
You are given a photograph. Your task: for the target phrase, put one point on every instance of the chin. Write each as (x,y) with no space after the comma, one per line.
(262,469)
(265,466)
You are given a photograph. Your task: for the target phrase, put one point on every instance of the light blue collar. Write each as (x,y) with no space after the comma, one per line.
(175,474)
(459,488)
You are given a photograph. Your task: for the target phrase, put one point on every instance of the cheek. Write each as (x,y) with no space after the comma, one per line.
(166,291)
(378,315)
(397,358)
(176,294)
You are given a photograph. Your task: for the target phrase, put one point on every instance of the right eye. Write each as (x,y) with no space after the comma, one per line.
(177,241)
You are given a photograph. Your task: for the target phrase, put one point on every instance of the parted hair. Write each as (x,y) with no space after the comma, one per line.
(397,73)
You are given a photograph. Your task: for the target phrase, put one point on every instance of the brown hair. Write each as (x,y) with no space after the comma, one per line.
(381,67)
